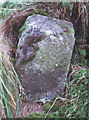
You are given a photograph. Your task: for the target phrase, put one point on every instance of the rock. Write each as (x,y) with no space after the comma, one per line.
(43,56)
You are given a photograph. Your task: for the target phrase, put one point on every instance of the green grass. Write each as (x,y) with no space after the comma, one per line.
(9,93)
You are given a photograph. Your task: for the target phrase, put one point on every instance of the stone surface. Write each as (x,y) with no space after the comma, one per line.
(43,56)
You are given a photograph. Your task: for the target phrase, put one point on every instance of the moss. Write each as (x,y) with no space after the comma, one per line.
(43,36)
(47,106)
(63,33)
(12,59)
(69,29)
(40,115)
(36,49)
(27,31)
(42,12)
(36,115)
(32,12)
(21,30)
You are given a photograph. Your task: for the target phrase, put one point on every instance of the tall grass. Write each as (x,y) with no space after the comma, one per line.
(10,88)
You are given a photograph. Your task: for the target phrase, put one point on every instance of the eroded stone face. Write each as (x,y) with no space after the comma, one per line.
(43,56)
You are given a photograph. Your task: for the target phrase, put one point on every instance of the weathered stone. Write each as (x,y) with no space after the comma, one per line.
(43,56)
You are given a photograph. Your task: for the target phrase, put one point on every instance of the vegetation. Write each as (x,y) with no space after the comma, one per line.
(21,30)
(74,103)
(9,88)
(41,116)
(77,96)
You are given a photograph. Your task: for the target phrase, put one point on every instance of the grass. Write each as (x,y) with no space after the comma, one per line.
(10,86)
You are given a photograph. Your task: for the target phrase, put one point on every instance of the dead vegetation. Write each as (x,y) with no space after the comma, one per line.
(10,30)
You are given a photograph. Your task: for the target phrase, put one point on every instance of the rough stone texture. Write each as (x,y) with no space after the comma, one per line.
(43,56)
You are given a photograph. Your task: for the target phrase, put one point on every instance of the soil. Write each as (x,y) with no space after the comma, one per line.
(27,108)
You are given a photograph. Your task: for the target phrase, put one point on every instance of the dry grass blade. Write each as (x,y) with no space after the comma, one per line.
(63,99)
(7,101)
(10,88)
(9,94)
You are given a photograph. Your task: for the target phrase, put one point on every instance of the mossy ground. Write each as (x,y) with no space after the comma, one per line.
(45,109)
(47,106)
(41,116)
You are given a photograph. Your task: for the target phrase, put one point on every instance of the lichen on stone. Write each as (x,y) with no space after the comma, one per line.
(44,75)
